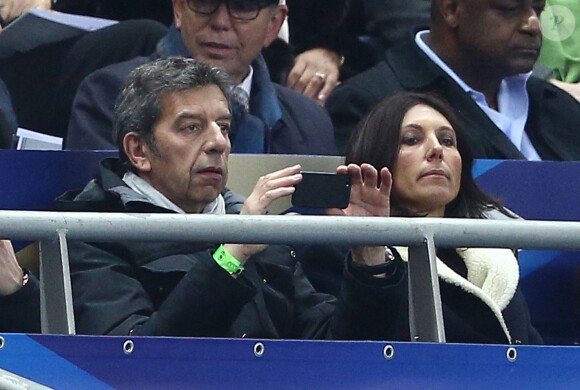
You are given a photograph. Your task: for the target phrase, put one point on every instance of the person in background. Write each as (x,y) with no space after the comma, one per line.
(345,38)
(268,118)
(478,55)
(53,71)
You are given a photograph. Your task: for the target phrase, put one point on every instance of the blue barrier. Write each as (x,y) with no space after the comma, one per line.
(549,279)
(73,362)
(545,191)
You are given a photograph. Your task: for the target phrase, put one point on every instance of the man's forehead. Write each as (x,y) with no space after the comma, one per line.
(201,95)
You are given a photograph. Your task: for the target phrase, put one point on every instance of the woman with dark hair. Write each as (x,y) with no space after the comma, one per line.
(379,139)
(413,145)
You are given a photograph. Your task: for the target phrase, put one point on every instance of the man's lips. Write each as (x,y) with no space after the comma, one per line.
(531,49)
(216,46)
(211,171)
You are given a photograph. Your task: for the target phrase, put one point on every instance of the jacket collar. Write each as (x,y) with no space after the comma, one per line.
(413,69)
(492,276)
(109,191)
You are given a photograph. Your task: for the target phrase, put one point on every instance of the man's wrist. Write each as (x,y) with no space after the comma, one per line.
(227,261)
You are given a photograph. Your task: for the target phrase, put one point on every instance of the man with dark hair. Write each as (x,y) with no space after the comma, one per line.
(479,56)
(268,118)
(172,124)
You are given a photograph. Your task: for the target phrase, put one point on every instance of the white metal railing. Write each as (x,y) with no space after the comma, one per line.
(53,230)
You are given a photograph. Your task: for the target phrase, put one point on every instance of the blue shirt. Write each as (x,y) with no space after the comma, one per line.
(512,98)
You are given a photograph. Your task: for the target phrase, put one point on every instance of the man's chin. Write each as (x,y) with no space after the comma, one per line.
(523,65)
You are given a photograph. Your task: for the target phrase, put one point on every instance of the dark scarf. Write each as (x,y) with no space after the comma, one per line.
(251,131)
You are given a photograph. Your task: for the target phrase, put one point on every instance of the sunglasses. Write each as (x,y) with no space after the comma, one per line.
(237,9)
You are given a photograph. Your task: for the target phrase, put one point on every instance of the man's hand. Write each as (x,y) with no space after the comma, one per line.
(367,199)
(11,9)
(315,74)
(270,187)
(11,275)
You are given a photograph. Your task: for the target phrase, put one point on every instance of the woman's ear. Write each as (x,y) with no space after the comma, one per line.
(137,151)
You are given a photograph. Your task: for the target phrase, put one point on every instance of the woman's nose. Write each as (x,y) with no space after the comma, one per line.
(435,150)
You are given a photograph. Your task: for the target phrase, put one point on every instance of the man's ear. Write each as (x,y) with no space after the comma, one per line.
(137,151)
(277,17)
(448,12)
(177,12)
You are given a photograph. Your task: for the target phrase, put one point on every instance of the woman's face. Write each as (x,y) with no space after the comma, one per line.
(427,171)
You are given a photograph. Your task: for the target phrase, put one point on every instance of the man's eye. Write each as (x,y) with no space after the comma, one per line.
(191,128)
(225,127)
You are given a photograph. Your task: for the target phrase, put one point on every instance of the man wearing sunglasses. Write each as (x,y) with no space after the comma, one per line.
(267,118)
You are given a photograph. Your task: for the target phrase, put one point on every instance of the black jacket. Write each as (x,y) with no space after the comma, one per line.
(552,125)
(177,289)
(20,312)
(485,306)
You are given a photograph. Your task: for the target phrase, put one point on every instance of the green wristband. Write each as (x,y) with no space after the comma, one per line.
(227,261)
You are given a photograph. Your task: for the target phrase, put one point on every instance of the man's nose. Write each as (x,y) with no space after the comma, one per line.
(217,140)
(221,17)
(531,22)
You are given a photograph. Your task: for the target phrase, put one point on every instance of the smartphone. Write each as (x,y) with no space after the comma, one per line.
(322,190)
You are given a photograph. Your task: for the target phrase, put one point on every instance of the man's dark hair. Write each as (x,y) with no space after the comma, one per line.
(376,142)
(139,105)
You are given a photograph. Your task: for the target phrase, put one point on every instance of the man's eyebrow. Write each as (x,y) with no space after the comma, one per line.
(226,115)
(187,114)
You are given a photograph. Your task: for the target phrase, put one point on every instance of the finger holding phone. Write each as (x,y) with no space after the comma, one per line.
(269,188)
(368,197)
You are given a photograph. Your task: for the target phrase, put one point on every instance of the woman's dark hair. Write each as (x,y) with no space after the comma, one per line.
(376,142)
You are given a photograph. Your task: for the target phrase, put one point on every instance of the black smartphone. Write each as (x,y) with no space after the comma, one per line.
(322,191)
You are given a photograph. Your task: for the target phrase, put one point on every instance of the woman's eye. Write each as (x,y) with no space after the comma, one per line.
(409,140)
(448,141)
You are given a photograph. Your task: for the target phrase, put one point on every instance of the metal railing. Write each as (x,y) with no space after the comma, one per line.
(53,230)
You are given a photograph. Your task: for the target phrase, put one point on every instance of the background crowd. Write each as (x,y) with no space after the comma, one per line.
(409,91)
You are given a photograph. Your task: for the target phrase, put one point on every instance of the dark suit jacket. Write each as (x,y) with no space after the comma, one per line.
(553,123)
(304,127)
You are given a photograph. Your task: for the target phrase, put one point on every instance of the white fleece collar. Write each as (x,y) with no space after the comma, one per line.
(492,276)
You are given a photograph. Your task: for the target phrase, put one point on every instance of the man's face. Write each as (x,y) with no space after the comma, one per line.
(223,41)
(500,35)
(188,163)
